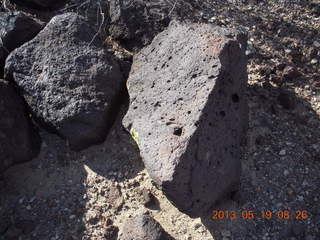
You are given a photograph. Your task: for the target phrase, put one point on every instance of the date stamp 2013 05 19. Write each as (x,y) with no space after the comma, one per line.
(263,214)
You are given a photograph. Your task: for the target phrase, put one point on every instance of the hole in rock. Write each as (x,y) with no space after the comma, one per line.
(177,131)
(222,113)
(235,98)
(157,104)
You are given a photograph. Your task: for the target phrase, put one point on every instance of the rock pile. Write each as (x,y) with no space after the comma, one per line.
(188,110)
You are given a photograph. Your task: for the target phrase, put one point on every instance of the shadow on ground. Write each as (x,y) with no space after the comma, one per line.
(280,170)
(48,198)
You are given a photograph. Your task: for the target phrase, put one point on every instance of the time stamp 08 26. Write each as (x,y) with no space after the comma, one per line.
(262,214)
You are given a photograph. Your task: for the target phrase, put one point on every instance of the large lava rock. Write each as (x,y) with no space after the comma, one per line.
(188,112)
(135,22)
(71,83)
(143,228)
(16,29)
(19,141)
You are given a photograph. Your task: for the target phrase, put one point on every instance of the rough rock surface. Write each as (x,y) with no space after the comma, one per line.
(71,83)
(96,12)
(188,112)
(143,228)
(16,29)
(19,142)
(136,22)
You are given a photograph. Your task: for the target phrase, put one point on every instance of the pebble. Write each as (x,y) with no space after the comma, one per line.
(314,61)
(304,183)
(316,44)
(197,225)
(282,152)
(226,233)
(300,198)
(288,51)
(286,172)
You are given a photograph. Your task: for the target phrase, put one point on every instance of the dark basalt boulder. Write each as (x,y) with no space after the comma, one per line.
(143,228)
(16,29)
(135,23)
(189,114)
(94,11)
(71,83)
(19,141)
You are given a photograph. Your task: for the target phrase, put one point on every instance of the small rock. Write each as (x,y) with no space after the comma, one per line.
(148,198)
(143,228)
(197,225)
(282,152)
(314,61)
(288,51)
(316,44)
(286,172)
(290,73)
(111,232)
(226,233)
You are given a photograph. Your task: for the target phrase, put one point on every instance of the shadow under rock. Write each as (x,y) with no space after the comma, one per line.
(280,171)
(63,194)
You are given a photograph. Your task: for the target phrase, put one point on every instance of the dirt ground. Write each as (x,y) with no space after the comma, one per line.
(68,195)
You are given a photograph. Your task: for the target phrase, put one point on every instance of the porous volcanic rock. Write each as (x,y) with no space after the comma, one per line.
(19,141)
(189,114)
(95,12)
(16,29)
(143,228)
(69,80)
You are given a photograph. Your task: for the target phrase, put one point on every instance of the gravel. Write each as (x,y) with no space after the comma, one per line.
(270,180)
